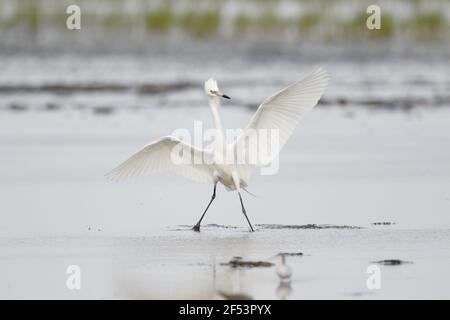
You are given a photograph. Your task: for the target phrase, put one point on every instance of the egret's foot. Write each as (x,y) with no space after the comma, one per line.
(196,228)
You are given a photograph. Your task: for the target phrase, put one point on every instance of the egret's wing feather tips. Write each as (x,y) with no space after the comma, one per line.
(283,111)
(156,157)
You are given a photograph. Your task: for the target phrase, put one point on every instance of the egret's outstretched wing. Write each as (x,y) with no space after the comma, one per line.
(282,112)
(167,154)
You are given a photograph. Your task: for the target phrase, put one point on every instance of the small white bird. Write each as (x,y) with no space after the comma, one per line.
(284,272)
(281,112)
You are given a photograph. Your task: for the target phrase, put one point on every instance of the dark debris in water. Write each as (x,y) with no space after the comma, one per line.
(211,225)
(392,103)
(69,88)
(17,107)
(305,226)
(383,223)
(61,88)
(392,262)
(238,262)
(214,225)
(52,106)
(291,254)
(103,110)
(164,88)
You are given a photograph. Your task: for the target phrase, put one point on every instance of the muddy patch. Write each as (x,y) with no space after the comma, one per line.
(89,87)
(164,88)
(400,103)
(305,226)
(392,262)
(291,254)
(238,262)
(383,223)
(103,110)
(206,226)
(17,107)
(50,106)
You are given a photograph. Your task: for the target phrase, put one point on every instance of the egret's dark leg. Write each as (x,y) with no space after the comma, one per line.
(197,226)
(244,212)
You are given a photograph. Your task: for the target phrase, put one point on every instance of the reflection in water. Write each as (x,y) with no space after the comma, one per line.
(284,290)
(235,293)
(234,276)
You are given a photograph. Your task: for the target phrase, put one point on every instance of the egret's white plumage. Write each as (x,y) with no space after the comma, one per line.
(155,157)
(281,111)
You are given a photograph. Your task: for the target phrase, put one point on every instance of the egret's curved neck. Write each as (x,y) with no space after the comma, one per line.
(219,138)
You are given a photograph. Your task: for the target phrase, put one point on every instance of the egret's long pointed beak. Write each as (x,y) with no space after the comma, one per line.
(220,94)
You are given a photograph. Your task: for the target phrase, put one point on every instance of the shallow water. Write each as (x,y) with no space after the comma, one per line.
(375,150)
(172,75)
(376,166)
(185,264)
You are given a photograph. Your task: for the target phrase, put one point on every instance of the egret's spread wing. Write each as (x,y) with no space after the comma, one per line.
(167,154)
(280,114)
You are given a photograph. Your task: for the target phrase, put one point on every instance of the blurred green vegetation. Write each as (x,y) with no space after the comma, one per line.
(200,24)
(269,21)
(357,27)
(115,19)
(317,20)
(160,19)
(27,14)
(429,25)
(307,22)
(242,23)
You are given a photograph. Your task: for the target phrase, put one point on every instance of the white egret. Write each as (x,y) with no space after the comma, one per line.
(282,111)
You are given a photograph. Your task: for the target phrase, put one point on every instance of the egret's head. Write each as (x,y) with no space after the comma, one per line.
(212,90)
